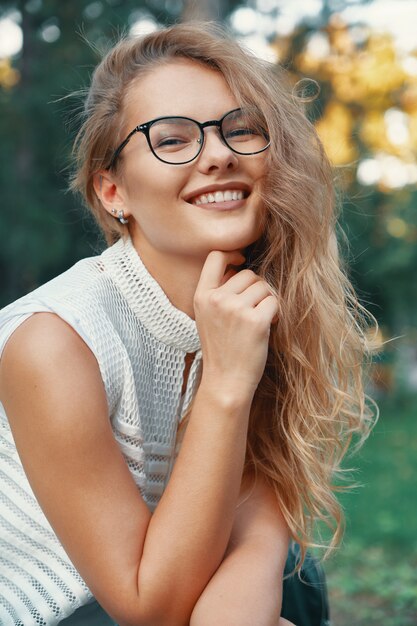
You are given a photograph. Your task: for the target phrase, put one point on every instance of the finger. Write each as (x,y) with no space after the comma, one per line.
(240,281)
(215,266)
(229,273)
(254,294)
(268,309)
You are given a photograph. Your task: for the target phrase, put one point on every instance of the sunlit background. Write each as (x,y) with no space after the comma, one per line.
(363,56)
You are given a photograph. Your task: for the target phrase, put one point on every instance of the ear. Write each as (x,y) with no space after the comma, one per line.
(109,191)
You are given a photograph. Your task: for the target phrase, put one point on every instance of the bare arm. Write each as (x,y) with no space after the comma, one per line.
(143,569)
(247,587)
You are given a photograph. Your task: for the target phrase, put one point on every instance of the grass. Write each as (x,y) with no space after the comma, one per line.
(373,578)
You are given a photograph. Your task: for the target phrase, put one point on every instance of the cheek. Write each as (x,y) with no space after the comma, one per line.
(260,169)
(148,176)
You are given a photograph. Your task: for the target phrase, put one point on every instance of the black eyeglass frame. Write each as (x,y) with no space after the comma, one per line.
(145,129)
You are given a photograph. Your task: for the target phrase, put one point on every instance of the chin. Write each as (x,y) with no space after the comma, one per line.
(234,241)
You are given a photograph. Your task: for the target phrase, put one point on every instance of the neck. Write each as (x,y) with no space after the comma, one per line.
(177,275)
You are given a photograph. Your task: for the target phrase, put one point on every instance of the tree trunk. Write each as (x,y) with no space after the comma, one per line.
(203,10)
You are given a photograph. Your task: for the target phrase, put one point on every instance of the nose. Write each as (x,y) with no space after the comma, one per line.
(216,155)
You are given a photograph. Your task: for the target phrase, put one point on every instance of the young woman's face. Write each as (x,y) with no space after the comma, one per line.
(166,204)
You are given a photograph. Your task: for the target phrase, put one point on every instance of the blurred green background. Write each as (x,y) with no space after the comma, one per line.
(363,54)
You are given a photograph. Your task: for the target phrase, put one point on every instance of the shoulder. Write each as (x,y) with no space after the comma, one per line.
(44,340)
(67,295)
(46,366)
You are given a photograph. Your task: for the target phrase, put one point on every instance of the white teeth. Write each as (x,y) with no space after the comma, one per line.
(219,196)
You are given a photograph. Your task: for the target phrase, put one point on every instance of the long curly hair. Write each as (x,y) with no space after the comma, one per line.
(310,401)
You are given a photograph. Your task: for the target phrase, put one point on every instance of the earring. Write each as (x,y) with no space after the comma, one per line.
(120,216)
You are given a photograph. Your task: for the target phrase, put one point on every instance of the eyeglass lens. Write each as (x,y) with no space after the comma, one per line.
(177,140)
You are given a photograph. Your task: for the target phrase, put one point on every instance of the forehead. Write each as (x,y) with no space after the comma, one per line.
(179,87)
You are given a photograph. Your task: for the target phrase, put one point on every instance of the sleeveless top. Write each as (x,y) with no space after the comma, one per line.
(140,341)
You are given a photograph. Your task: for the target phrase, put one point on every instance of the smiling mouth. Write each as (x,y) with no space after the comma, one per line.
(219,196)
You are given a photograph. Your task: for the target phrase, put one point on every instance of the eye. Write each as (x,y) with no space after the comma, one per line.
(241,133)
(173,134)
(171,141)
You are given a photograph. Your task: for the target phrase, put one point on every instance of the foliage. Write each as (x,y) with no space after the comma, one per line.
(373,578)
(366,117)
(370,586)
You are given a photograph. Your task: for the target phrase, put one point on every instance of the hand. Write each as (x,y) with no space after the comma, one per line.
(233,312)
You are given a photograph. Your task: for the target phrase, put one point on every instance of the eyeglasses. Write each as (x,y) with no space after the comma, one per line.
(178,140)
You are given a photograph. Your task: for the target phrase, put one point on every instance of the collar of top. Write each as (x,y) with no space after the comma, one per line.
(147,299)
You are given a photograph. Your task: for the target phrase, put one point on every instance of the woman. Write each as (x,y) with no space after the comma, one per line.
(210,357)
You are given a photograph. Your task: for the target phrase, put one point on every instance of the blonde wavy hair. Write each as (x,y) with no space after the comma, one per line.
(310,401)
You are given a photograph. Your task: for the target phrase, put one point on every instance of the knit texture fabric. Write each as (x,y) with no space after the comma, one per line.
(140,341)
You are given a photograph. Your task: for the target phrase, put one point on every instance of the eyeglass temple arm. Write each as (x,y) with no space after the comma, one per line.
(122,145)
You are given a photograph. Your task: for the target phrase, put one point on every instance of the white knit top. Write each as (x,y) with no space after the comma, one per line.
(140,341)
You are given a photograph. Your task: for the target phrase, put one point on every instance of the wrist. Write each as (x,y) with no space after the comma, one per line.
(226,397)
